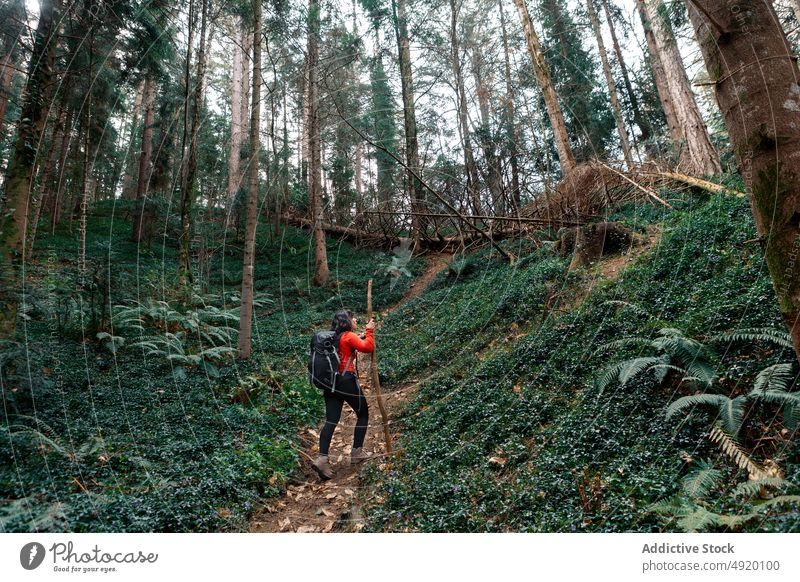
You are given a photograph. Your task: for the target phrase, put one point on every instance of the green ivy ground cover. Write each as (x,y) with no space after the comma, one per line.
(522,440)
(100,440)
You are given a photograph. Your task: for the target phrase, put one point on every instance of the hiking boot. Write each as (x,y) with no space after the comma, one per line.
(322,467)
(358,455)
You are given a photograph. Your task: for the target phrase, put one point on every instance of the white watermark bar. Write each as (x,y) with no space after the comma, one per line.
(401,557)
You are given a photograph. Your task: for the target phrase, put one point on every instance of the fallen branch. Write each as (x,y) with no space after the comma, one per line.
(508,256)
(639,186)
(696,182)
(359,237)
(519,219)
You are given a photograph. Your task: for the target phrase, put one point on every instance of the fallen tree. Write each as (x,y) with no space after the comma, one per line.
(580,200)
(437,243)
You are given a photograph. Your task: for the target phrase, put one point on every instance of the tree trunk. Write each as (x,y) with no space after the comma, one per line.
(58,198)
(699,156)
(511,125)
(13,218)
(639,119)
(188,187)
(409,115)
(244,114)
(304,133)
(248,261)
(494,171)
(542,72)
(6,76)
(234,174)
(612,87)
(760,104)
(128,192)
(593,241)
(662,86)
(88,158)
(473,182)
(145,156)
(45,192)
(314,145)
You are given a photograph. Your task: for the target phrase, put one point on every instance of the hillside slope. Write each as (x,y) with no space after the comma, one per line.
(511,432)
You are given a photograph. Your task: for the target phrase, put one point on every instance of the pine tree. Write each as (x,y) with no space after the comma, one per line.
(574,73)
(764,129)
(544,79)
(698,155)
(314,146)
(13,215)
(248,261)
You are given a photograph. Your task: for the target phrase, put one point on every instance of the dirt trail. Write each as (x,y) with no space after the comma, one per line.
(332,506)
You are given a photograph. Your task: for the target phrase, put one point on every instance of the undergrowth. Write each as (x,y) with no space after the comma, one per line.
(524,439)
(124,407)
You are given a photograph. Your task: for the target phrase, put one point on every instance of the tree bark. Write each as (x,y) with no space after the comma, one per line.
(58,198)
(593,241)
(13,217)
(244,114)
(409,115)
(755,77)
(662,86)
(89,145)
(45,192)
(473,181)
(304,133)
(612,87)
(494,170)
(234,174)
(188,186)
(511,125)
(542,72)
(699,156)
(145,157)
(314,146)
(6,76)
(248,261)
(638,118)
(128,192)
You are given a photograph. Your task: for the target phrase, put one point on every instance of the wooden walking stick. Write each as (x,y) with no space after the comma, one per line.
(375,382)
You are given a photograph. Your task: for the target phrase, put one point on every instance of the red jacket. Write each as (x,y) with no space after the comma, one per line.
(348,342)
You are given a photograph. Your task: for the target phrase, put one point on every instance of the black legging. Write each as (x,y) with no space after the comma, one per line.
(347,390)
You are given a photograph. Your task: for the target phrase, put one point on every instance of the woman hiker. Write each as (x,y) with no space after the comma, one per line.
(347,390)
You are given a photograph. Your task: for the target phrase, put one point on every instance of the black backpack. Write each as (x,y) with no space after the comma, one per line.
(323,363)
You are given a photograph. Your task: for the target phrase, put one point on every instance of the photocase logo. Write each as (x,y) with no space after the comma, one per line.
(31,555)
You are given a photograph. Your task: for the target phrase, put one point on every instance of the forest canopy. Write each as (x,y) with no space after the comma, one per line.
(189,189)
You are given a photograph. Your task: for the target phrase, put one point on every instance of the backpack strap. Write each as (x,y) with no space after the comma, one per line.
(347,365)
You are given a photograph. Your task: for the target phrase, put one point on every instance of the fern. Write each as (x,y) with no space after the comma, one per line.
(675,352)
(762,334)
(730,411)
(777,501)
(732,449)
(753,487)
(636,366)
(701,481)
(699,520)
(776,397)
(772,385)
(607,375)
(775,377)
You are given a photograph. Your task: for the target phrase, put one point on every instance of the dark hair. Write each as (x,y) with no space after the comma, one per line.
(342,321)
